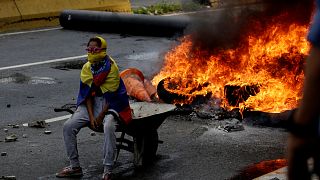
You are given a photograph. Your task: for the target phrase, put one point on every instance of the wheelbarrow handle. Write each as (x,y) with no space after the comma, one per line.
(63,109)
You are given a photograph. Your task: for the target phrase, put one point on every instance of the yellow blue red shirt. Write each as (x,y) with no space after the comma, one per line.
(103,79)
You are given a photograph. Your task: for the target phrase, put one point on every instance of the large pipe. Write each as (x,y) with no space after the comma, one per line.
(134,24)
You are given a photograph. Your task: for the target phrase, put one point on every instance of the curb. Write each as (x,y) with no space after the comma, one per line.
(22,14)
(279,174)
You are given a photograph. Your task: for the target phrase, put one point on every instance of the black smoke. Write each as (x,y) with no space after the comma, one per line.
(226,27)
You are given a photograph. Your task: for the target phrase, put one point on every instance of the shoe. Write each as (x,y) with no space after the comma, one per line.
(70,172)
(107,176)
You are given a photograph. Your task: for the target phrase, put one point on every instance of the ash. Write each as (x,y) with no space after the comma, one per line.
(212,115)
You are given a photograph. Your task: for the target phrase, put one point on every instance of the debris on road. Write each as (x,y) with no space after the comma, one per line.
(11,138)
(47,132)
(3,153)
(5,130)
(8,178)
(231,125)
(8,105)
(37,124)
(92,133)
(14,125)
(24,135)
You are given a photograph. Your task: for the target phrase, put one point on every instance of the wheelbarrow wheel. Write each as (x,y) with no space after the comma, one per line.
(145,148)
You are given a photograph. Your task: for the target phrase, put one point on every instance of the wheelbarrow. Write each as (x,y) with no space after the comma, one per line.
(147,117)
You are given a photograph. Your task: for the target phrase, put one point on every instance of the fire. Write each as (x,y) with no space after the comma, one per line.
(272,61)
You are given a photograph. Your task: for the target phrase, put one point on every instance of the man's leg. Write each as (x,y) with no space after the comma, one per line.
(109,148)
(71,128)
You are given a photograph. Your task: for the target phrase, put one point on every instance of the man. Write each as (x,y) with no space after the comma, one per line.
(102,99)
(304,139)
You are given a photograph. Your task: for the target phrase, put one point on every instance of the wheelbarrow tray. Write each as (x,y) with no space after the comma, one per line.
(148,116)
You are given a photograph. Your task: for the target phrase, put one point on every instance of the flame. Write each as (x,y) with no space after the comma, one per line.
(272,60)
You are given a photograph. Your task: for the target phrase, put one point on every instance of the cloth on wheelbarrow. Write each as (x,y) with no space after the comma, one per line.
(103,78)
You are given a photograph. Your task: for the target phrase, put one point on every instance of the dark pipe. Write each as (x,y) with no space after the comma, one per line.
(134,24)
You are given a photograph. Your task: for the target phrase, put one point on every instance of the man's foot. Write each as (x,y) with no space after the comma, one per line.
(70,172)
(107,176)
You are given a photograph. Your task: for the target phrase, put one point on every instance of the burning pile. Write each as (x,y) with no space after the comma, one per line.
(263,72)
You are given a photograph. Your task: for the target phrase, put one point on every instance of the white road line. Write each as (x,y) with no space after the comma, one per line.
(53,119)
(43,62)
(33,31)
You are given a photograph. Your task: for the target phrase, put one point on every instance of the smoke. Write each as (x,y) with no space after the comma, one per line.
(226,28)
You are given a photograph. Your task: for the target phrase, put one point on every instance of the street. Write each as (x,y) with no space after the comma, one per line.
(192,149)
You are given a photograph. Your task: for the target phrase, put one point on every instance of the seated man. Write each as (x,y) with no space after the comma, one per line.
(102,97)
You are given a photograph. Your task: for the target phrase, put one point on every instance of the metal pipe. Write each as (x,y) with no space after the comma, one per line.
(133,24)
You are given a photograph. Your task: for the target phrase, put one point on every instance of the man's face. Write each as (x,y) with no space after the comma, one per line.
(93,47)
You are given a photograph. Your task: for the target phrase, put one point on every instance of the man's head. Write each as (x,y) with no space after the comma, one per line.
(97,49)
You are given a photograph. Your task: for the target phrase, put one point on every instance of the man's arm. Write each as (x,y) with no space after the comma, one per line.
(301,147)
(89,105)
(310,104)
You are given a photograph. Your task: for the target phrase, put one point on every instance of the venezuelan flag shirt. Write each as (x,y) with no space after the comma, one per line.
(102,79)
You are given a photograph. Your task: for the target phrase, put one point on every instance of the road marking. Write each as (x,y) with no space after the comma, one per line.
(26,32)
(43,62)
(60,118)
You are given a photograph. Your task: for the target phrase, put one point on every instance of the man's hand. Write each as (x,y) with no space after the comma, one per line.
(102,114)
(93,123)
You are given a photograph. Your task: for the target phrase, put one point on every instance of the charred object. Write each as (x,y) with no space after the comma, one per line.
(166,93)
(236,94)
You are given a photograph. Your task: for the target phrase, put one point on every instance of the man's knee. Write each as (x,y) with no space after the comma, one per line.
(109,124)
(69,127)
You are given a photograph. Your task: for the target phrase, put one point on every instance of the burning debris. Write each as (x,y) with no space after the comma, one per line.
(256,170)
(236,94)
(168,91)
(260,69)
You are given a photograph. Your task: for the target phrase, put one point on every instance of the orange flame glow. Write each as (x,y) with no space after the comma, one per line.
(272,61)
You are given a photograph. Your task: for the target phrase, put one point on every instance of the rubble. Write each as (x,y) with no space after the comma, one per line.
(231,125)
(13,125)
(8,178)
(11,138)
(37,124)
(47,132)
